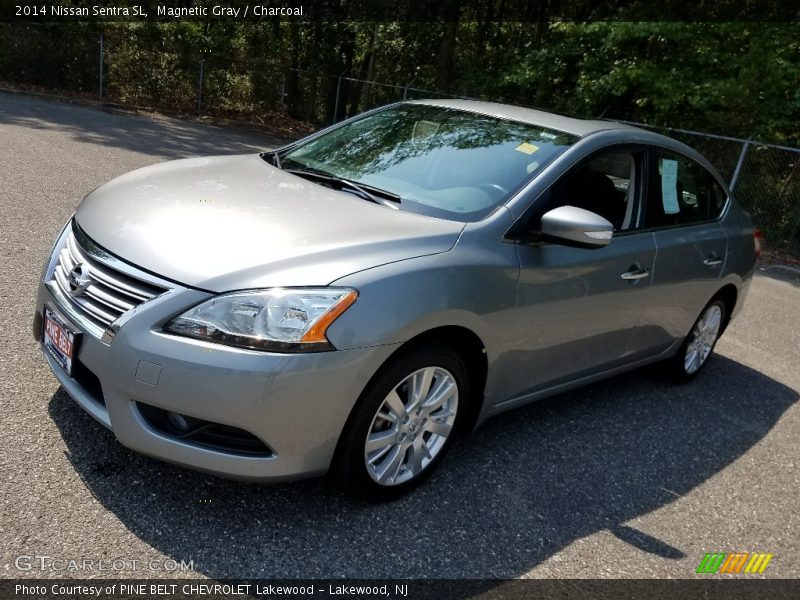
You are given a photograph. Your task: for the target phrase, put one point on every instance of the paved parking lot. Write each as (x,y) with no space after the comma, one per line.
(627,478)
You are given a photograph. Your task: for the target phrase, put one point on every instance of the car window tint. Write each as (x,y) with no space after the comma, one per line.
(441,161)
(682,192)
(605,185)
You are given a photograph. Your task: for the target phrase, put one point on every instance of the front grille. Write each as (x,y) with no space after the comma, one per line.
(107,292)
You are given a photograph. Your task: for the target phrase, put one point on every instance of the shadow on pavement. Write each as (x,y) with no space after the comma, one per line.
(785,273)
(164,137)
(518,490)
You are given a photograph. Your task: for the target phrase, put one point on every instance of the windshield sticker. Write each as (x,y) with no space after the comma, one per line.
(669,186)
(527,148)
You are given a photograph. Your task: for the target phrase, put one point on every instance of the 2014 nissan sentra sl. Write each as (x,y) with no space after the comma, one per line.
(349,302)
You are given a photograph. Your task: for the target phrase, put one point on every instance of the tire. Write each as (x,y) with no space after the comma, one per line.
(696,349)
(395,438)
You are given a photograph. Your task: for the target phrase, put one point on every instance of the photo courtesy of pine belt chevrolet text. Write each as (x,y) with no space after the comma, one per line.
(350,303)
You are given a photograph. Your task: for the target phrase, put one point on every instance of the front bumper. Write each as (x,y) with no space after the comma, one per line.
(296,404)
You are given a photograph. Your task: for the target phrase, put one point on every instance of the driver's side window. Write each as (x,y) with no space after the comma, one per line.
(605,184)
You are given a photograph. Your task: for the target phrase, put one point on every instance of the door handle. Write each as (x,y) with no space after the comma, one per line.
(636,273)
(712,261)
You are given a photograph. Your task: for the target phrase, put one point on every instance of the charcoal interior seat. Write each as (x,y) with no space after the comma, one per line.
(594,191)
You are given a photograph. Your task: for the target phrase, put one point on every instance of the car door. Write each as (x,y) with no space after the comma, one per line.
(577,308)
(683,206)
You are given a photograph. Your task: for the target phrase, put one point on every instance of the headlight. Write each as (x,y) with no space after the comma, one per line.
(281,320)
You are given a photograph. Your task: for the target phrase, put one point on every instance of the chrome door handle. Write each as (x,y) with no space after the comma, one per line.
(636,273)
(712,261)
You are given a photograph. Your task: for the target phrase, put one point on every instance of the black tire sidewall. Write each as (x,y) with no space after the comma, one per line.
(349,469)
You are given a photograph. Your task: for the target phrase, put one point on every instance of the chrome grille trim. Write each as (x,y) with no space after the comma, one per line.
(115,289)
(76,316)
(111,301)
(105,275)
(93,311)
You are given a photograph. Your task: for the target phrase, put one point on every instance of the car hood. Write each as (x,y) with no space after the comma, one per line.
(234,222)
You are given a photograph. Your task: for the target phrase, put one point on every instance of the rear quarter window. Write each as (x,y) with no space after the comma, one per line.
(681,192)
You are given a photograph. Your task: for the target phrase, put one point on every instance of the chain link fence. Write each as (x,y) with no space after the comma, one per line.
(769,187)
(142,67)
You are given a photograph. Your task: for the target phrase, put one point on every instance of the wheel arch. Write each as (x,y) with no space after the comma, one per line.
(729,294)
(462,341)
(469,346)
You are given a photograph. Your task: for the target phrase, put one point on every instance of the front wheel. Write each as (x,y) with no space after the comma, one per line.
(698,345)
(403,424)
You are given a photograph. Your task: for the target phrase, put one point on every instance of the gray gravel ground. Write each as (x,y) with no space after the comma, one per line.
(627,478)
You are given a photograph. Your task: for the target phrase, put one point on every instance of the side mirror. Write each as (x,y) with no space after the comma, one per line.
(576,226)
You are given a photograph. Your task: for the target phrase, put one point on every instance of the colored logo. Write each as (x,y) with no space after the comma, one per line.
(734,562)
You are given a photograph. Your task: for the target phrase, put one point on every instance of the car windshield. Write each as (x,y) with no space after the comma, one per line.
(440,161)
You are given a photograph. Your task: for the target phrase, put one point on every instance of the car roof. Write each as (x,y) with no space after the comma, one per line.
(578,127)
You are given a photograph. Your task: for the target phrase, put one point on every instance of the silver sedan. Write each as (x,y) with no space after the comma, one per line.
(348,303)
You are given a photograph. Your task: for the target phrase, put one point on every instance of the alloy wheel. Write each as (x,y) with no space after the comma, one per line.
(411,426)
(703,337)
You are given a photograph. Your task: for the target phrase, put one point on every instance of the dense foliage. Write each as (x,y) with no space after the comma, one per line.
(738,79)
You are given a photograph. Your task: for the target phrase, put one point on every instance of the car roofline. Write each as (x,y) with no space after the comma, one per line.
(571,125)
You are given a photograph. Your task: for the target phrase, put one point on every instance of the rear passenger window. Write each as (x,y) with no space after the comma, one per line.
(681,193)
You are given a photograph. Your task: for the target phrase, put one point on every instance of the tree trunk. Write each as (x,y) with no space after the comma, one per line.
(293,98)
(364,72)
(447,49)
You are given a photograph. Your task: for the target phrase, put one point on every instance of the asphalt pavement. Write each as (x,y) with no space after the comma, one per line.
(631,477)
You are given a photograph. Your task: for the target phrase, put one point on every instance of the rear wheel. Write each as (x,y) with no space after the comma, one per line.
(403,424)
(699,344)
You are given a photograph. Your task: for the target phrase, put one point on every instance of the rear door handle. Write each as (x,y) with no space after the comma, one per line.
(636,273)
(712,261)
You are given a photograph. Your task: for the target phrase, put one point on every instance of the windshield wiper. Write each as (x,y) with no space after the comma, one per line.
(367,192)
(274,157)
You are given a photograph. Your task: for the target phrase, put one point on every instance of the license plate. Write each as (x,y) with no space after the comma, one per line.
(59,339)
